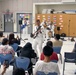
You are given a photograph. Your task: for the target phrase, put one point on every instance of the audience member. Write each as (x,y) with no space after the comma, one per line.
(72,39)
(54,54)
(27,51)
(5,48)
(57,42)
(46,65)
(19,71)
(1,36)
(14,41)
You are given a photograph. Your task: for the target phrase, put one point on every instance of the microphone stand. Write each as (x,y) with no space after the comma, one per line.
(69,30)
(20,34)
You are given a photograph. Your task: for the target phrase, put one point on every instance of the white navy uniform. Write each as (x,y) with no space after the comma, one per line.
(44,34)
(52,30)
(38,41)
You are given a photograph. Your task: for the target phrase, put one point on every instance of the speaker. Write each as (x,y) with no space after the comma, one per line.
(58,28)
(20,22)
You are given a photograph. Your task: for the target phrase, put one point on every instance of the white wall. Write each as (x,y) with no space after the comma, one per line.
(20,6)
(59,7)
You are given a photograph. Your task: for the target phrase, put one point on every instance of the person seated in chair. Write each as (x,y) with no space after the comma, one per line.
(27,51)
(14,41)
(54,54)
(46,65)
(5,48)
(1,36)
(57,42)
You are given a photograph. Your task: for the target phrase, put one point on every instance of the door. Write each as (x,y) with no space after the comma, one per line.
(8,22)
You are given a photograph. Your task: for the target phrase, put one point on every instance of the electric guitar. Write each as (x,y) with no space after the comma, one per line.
(35,33)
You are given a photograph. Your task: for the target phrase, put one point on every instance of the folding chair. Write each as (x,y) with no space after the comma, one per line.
(22,62)
(14,46)
(70,58)
(42,73)
(0,43)
(58,51)
(54,61)
(5,57)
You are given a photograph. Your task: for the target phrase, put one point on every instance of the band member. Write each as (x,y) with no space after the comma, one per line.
(44,25)
(24,22)
(48,30)
(38,39)
(52,28)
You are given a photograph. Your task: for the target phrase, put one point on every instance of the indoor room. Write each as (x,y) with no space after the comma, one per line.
(37,37)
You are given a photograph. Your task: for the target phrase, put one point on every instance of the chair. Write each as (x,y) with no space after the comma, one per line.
(14,46)
(58,50)
(5,57)
(70,58)
(0,43)
(54,61)
(22,62)
(42,73)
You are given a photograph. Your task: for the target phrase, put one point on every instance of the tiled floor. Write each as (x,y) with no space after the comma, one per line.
(67,47)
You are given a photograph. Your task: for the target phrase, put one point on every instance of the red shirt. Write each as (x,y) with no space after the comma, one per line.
(52,57)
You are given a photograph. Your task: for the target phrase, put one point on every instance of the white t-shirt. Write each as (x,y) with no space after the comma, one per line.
(46,67)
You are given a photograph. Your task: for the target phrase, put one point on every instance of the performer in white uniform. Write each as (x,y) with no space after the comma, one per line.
(48,31)
(44,24)
(24,22)
(38,40)
(52,28)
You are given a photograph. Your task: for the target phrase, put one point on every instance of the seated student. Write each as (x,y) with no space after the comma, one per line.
(54,54)
(15,40)
(5,48)
(27,51)
(57,42)
(19,71)
(46,65)
(72,39)
(1,36)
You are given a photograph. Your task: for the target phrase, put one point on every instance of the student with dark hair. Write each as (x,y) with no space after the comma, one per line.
(57,42)
(19,71)
(27,51)
(14,42)
(12,39)
(1,36)
(54,54)
(46,65)
(5,48)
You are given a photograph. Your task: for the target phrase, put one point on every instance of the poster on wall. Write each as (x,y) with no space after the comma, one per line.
(61,22)
(54,20)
